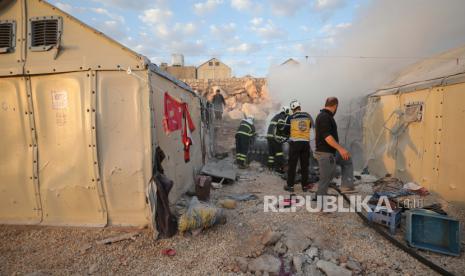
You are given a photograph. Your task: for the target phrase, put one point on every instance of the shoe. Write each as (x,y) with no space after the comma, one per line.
(346,190)
(307,187)
(288,188)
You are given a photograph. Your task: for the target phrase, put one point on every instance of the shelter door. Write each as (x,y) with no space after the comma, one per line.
(64,112)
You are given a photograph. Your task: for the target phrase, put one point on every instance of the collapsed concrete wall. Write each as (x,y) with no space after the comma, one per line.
(246,95)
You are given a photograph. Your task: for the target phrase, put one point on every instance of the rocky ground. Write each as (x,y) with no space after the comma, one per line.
(251,241)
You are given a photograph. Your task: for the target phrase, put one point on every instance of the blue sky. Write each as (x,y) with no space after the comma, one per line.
(248,35)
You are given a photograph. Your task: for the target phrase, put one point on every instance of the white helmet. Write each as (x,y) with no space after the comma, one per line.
(285,109)
(294,104)
(250,119)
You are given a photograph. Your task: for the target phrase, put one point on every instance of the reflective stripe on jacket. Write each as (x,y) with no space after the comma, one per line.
(245,128)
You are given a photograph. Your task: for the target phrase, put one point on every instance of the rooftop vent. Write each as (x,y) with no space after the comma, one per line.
(45,33)
(7,36)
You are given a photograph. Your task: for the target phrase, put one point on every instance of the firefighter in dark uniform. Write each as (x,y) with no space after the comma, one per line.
(298,128)
(276,138)
(244,137)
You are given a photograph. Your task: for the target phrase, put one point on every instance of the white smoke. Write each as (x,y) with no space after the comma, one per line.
(393,33)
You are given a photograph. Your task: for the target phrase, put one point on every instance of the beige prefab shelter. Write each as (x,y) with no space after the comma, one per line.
(80,118)
(414,128)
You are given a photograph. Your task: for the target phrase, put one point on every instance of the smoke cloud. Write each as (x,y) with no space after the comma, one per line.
(393,34)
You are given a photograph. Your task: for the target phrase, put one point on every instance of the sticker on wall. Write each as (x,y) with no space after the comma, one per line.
(59,99)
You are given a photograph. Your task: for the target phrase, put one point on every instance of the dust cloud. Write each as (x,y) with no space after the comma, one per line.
(385,37)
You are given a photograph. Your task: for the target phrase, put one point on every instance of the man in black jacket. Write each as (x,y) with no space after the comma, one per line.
(218,104)
(329,152)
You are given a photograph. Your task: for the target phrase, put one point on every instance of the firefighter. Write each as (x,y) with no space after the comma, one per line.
(298,128)
(276,138)
(244,137)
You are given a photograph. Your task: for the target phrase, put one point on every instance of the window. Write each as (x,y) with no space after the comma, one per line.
(45,33)
(7,36)
(210,63)
(217,63)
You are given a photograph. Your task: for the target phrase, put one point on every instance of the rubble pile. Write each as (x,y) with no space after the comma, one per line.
(246,95)
(291,253)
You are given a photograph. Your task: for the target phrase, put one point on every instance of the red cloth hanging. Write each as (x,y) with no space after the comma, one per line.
(174,111)
(177,116)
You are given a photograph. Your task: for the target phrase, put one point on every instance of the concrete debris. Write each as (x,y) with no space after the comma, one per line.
(330,256)
(312,270)
(254,110)
(265,263)
(354,266)
(242,263)
(331,269)
(270,237)
(216,185)
(280,248)
(126,236)
(235,114)
(312,252)
(297,261)
(296,242)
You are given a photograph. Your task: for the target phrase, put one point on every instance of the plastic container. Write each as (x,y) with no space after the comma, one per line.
(386,218)
(434,232)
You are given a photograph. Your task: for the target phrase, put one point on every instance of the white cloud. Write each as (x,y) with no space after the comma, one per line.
(244,48)
(155,16)
(287,7)
(241,5)
(125,4)
(305,29)
(224,32)
(256,21)
(328,4)
(246,5)
(113,16)
(268,30)
(202,8)
(333,30)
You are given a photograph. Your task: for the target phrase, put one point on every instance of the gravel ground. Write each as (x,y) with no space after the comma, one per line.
(64,251)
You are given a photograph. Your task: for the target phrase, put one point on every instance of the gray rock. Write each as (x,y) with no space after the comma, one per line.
(270,237)
(312,270)
(330,256)
(354,266)
(296,242)
(242,263)
(331,269)
(280,248)
(312,252)
(297,262)
(265,263)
